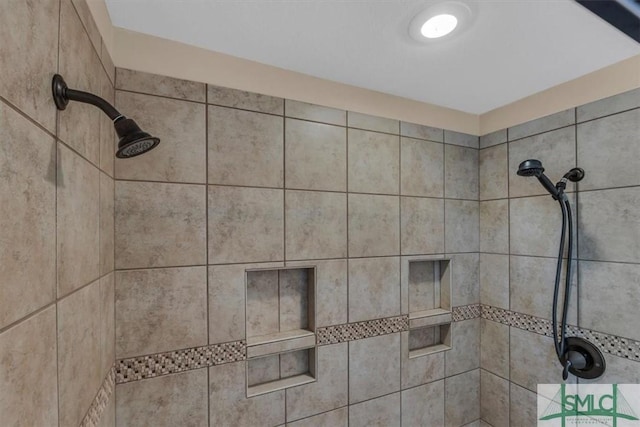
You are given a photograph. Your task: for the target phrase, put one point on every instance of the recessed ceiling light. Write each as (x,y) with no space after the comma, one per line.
(438,26)
(448,18)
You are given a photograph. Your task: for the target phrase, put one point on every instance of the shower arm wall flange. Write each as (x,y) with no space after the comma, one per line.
(62,95)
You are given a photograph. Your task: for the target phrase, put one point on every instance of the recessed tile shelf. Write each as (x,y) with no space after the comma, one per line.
(429,306)
(280,319)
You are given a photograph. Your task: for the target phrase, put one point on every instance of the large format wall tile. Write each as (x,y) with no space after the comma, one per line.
(460,172)
(422,225)
(424,405)
(543,124)
(27,216)
(494,226)
(229,406)
(328,392)
(154,84)
(316,225)
(331,290)
(107,323)
(107,137)
(421,168)
(557,152)
(245,225)
(605,148)
(494,400)
(533,360)
(374,123)
(244,100)
(172,400)
(535,225)
(414,130)
(494,280)
(242,141)
(79,124)
(315,113)
(465,279)
(160,310)
(381,412)
(532,284)
(226,288)
(609,297)
(462,139)
(464,355)
(374,288)
(28,57)
(107,227)
(315,156)
(608,229)
(522,407)
(335,418)
(611,105)
(159,225)
(374,162)
(29,395)
(494,347)
(462,223)
(181,127)
(374,223)
(78,217)
(493,138)
(79,352)
(380,355)
(419,370)
(493,165)
(462,398)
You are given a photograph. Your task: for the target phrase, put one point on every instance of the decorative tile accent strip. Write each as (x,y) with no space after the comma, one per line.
(466,312)
(360,330)
(612,344)
(171,362)
(92,418)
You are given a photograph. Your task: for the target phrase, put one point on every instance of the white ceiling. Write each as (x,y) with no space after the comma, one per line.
(513,49)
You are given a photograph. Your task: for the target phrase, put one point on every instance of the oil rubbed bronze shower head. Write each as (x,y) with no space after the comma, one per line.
(133,140)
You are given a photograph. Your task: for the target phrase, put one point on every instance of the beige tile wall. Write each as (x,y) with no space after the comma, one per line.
(57,328)
(243,181)
(519,237)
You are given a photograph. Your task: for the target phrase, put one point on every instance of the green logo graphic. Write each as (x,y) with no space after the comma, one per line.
(611,406)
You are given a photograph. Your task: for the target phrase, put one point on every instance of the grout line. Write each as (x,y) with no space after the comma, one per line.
(28,118)
(206,205)
(57,163)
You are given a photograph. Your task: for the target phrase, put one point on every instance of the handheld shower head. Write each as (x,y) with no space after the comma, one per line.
(533,167)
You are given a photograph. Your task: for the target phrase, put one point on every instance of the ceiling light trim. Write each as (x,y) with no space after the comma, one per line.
(462,11)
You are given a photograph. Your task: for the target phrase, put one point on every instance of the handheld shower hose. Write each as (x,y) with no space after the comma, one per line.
(577,355)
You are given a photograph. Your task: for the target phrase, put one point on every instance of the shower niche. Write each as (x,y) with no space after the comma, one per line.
(429,306)
(280,322)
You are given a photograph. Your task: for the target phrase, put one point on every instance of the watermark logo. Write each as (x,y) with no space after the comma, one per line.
(564,405)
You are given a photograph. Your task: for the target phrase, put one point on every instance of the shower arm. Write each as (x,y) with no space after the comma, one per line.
(62,95)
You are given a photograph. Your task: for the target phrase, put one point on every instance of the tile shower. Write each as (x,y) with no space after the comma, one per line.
(367,245)
(282,250)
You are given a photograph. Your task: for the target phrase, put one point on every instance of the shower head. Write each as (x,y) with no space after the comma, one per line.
(533,167)
(133,140)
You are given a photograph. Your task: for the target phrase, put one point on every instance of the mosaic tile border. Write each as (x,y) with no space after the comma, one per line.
(465,312)
(611,344)
(360,330)
(101,401)
(171,362)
